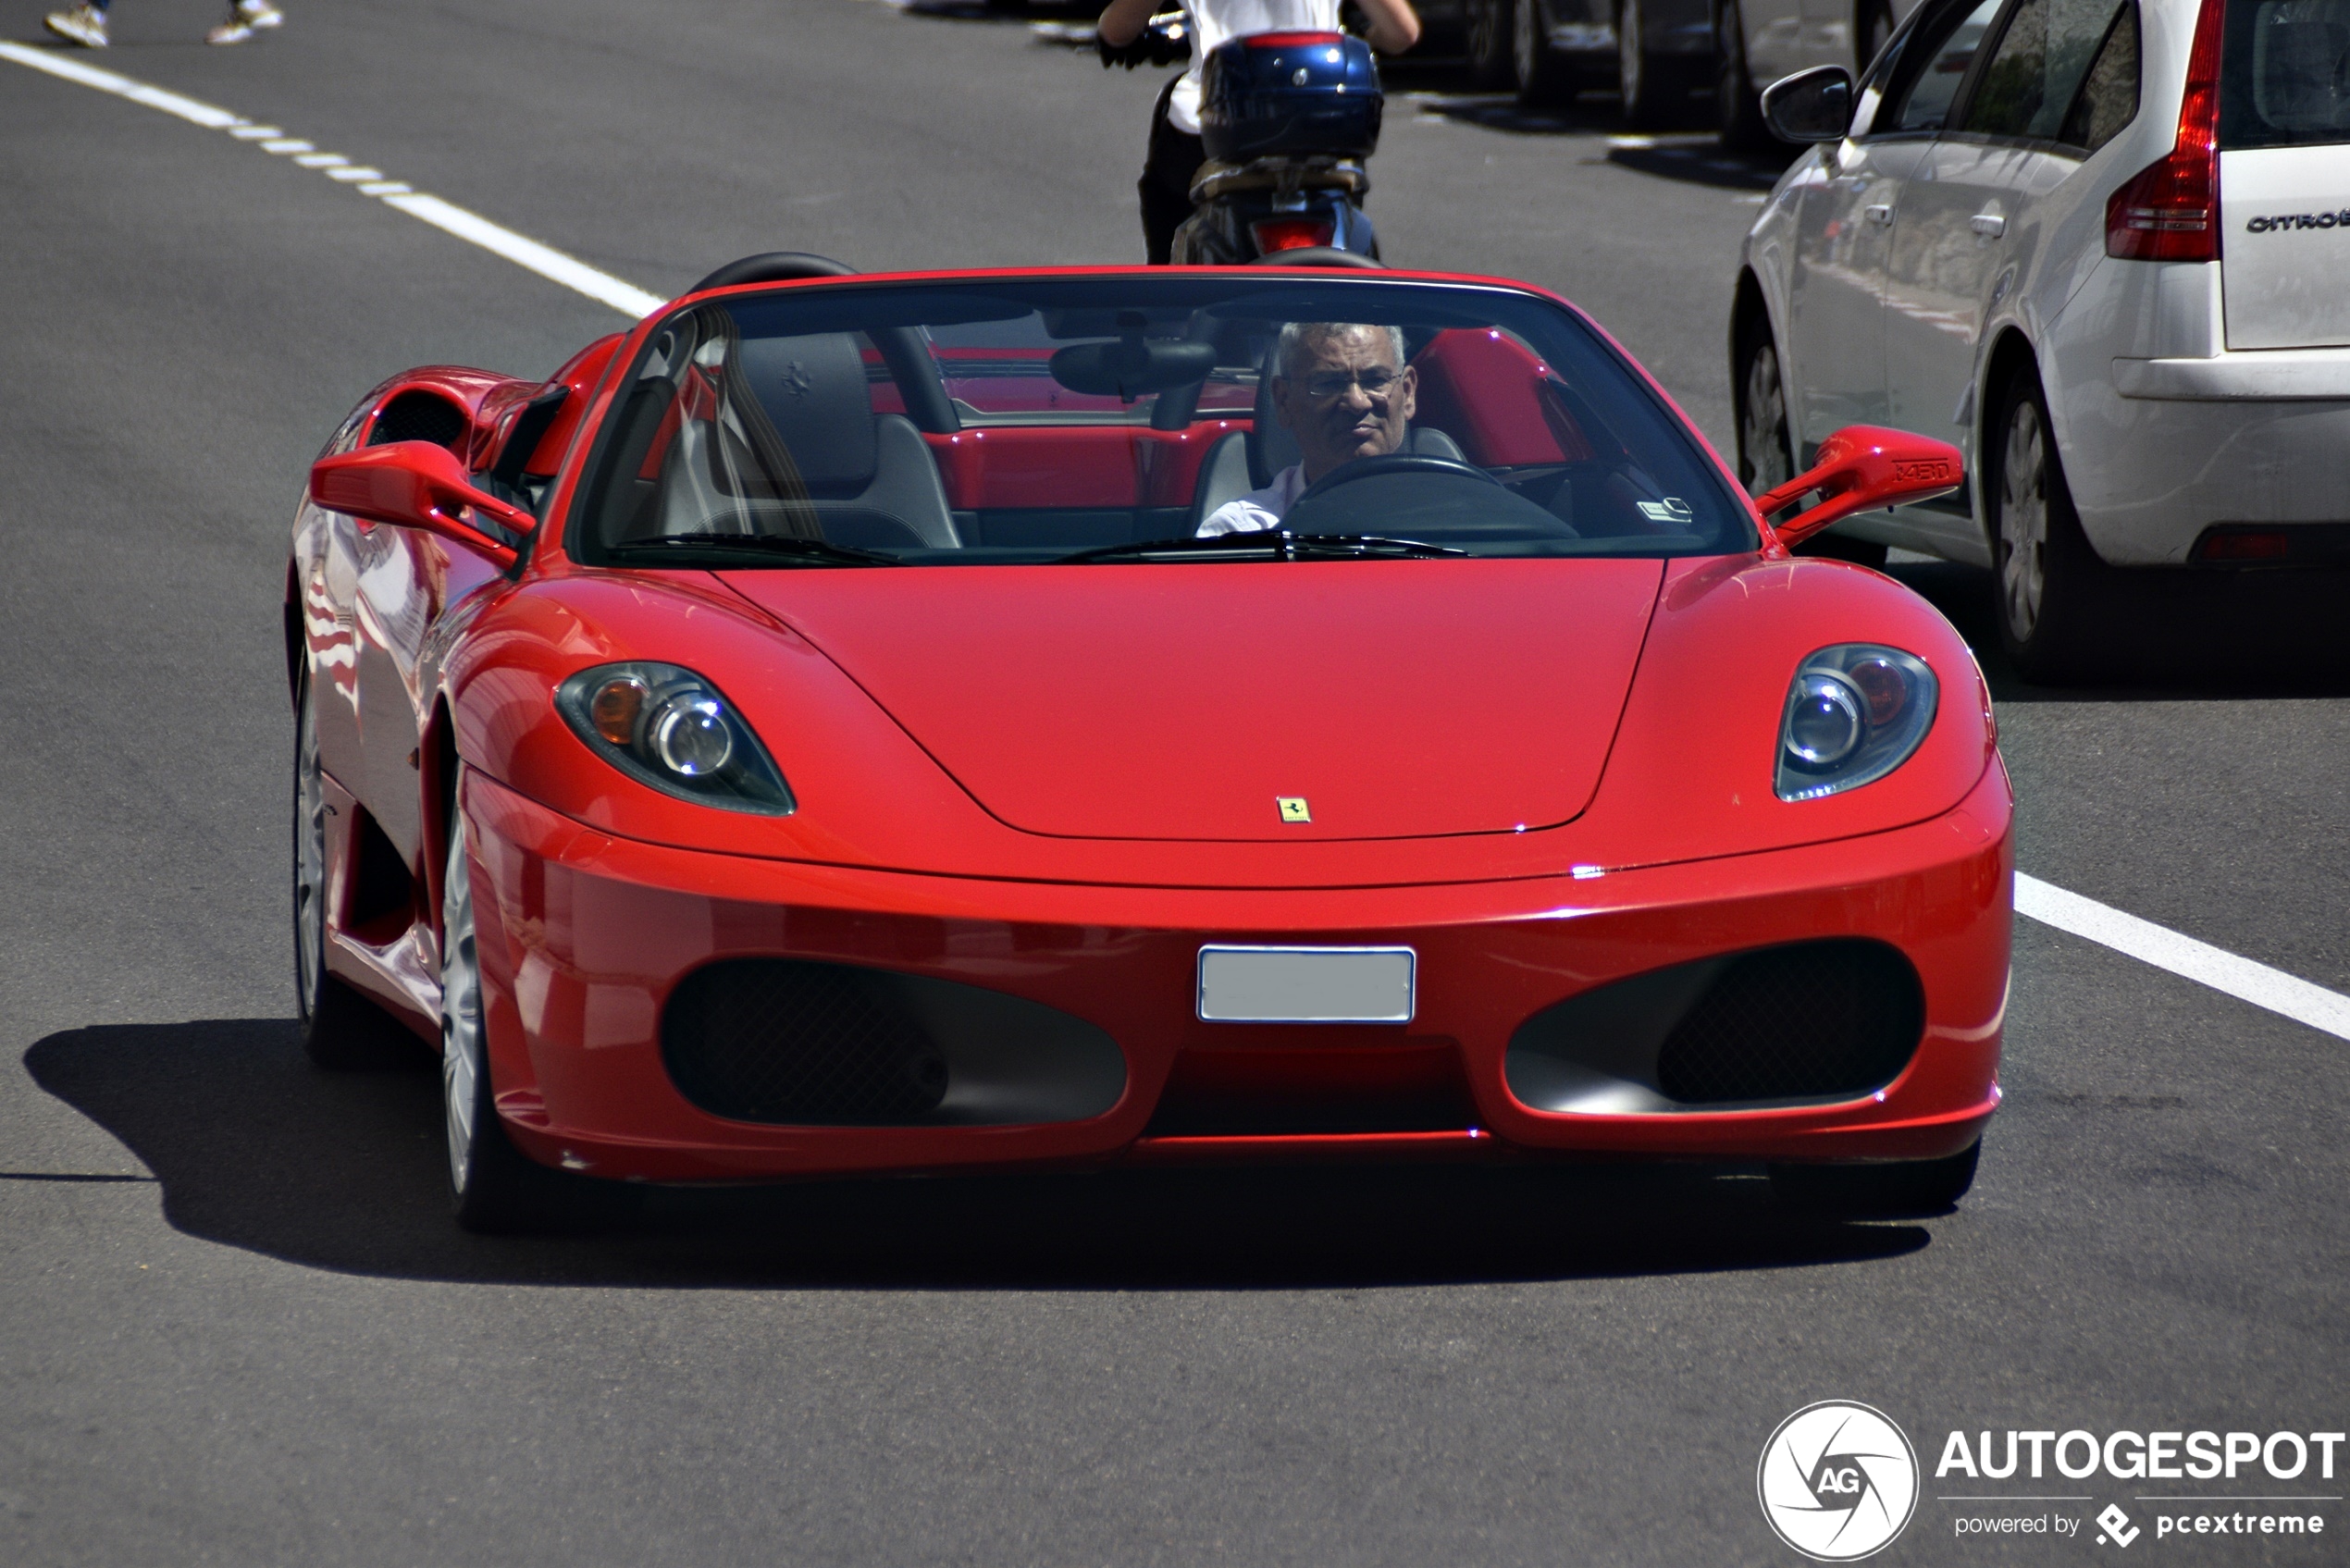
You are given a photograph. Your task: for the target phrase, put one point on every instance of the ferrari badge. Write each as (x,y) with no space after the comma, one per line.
(1293,808)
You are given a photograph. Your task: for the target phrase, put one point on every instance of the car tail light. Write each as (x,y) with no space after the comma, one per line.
(2170,210)
(1291,233)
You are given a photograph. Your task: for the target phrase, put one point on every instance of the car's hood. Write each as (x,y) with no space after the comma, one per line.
(1394,698)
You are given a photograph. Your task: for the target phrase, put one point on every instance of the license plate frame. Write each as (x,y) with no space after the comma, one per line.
(1257,984)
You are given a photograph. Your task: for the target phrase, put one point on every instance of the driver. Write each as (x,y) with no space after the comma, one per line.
(1343,391)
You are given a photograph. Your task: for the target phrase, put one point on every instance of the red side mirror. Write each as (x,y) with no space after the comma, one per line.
(415,485)
(1862,468)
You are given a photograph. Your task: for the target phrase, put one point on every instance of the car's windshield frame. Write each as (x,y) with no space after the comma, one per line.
(849,304)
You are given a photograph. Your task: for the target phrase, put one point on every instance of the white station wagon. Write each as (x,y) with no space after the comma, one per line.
(2101,245)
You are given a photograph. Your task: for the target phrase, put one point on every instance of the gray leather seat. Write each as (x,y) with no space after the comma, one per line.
(868,474)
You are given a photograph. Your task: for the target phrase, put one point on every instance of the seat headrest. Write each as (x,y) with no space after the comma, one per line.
(816,393)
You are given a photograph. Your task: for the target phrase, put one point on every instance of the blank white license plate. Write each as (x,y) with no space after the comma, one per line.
(1306,984)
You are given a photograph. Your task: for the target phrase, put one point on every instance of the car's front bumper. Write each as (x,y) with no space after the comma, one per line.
(583,935)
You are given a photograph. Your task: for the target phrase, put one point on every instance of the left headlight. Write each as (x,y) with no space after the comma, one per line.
(666,726)
(1854,713)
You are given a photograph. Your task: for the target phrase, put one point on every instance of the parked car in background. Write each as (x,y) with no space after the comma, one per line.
(1656,53)
(2097,244)
(1757,42)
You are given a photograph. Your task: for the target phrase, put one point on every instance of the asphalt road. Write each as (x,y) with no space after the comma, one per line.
(236,1326)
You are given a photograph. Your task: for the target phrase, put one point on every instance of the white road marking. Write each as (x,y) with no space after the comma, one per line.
(2166,950)
(472,227)
(546,262)
(2257,984)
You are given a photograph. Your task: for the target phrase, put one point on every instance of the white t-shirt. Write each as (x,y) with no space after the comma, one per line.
(1258,510)
(1220,22)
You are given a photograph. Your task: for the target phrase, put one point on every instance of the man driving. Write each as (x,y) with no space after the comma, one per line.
(1345,392)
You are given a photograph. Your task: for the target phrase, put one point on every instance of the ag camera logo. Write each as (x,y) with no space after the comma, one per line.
(1838,1481)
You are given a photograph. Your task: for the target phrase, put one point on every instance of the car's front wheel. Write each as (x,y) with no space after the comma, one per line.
(1544,76)
(1492,64)
(493,1186)
(1766,444)
(1655,88)
(2050,581)
(1890,1189)
(1738,107)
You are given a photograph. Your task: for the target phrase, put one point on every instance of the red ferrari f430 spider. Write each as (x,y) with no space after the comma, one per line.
(1058,719)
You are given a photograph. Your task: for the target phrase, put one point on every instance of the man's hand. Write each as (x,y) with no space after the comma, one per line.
(1162,40)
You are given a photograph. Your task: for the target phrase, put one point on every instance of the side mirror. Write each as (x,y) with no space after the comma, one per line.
(1814,105)
(417,485)
(1863,468)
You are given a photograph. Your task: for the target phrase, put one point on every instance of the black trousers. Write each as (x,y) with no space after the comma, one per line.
(1166,185)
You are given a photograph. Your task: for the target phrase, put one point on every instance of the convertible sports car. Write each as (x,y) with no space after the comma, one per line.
(829,728)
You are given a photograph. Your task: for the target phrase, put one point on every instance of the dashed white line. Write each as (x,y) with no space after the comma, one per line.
(2257,984)
(472,227)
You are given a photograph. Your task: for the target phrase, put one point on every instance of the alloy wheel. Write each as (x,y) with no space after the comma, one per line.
(1629,79)
(2024,521)
(309,861)
(461,1044)
(1762,434)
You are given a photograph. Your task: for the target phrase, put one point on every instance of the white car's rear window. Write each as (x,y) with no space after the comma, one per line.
(2285,74)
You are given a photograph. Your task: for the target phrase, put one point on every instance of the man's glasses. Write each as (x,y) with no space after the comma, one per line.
(1331,385)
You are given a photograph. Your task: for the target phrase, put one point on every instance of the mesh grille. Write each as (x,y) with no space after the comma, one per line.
(418,416)
(1804,1021)
(778,1041)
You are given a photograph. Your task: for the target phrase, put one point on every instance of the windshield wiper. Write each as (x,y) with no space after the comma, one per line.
(812,551)
(1276,543)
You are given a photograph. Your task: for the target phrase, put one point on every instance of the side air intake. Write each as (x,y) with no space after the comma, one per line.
(796,1042)
(1806,1022)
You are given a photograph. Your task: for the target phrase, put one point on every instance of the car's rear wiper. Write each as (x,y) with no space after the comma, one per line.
(815,552)
(1275,543)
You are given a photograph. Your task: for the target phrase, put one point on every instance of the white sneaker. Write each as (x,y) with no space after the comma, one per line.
(245,19)
(85,25)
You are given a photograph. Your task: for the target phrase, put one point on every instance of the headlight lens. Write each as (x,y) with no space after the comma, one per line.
(666,726)
(1854,713)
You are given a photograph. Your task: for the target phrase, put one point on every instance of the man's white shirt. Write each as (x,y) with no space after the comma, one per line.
(1258,510)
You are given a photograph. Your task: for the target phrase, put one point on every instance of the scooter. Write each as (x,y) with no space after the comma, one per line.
(1287,119)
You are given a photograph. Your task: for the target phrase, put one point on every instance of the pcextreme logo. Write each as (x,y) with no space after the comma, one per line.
(1838,1481)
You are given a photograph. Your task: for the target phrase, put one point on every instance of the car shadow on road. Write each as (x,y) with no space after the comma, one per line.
(2177,637)
(255,1148)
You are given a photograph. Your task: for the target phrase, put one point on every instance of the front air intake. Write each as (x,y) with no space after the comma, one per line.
(1816,1020)
(775,1039)
(1806,1022)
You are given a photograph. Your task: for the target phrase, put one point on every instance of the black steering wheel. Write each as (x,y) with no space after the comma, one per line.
(1394,463)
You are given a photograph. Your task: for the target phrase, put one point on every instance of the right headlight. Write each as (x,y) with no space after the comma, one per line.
(666,726)
(1854,713)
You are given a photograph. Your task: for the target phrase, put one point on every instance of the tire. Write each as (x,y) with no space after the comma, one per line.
(1737,104)
(1545,77)
(494,1188)
(1655,88)
(1766,447)
(2050,583)
(340,1030)
(1492,65)
(1896,1189)
(1872,30)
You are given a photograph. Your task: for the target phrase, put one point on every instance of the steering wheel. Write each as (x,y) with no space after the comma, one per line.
(1394,463)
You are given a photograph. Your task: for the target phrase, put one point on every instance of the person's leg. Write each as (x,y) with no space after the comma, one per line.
(84,24)
(245,19)
(1166,185)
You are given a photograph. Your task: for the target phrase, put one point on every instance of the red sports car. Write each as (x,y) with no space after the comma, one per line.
(1070,718)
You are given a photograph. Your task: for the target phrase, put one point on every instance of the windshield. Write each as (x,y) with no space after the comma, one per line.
(1140,418)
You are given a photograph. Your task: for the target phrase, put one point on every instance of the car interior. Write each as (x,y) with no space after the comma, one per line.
(1034,434)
